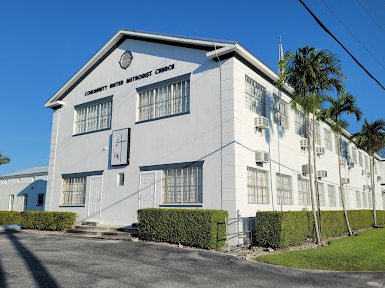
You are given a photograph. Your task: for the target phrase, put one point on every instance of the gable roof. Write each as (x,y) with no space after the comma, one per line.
(35,171)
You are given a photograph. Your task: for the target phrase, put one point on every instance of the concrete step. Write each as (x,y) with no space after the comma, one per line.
(91,223)
(87,227)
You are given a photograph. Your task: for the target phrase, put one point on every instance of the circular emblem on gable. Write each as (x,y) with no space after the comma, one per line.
(125,59)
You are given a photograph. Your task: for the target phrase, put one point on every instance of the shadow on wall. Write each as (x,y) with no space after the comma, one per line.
(32,190)
(39,273)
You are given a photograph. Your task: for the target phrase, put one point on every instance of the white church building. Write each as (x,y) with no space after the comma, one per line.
(155,120)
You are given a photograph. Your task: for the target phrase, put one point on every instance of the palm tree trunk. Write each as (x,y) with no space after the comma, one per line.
(341,190)
(311,182)
(373,188)
(316,178)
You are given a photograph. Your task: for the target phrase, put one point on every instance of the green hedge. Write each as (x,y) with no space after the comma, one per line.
(54,221)
(282,229)
(199,228)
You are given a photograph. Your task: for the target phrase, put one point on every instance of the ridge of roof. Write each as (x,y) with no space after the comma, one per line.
(29,171)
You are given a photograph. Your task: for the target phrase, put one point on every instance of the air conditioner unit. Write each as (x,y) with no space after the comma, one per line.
(366,187)
(343,161)
(363,171)
(303,143)
(351,165)
(261,122)
(378,178)
(305,169)
(322,174)
(320,150)
(261,156)
(368,174)
(345,180)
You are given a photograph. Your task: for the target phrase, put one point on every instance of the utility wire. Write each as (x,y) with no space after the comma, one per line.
(381,3)
(371,16)
(347,51)
(374,10)
(371,54)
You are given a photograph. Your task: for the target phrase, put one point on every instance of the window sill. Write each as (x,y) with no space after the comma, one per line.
(180,205)
(39,205)
(91,132)
(164,117)
(72,205)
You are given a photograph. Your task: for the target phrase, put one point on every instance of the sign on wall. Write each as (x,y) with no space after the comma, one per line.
(120,147)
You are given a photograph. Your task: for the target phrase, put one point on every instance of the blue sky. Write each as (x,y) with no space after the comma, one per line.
(44,43)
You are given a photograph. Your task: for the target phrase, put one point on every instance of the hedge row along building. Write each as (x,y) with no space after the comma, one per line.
(154,120)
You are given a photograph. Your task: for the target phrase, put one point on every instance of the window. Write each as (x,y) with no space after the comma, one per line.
(40,199)
(375,167)
(332,196)
(364,200)
(328,139)
(167,100)
(25,202)
(33,179)
(303,192)
(284,190)
(360,159)
(255,96)
(317,132)
(300,123)
(120,179)
(336,143)
(257,186)
(280,112)
(11,202)
(182,185)
(358,199)
(321,191)
(340,196)
(354,155)
(370,200)
(74,191)
(94,117)
(344,149)
(366,162)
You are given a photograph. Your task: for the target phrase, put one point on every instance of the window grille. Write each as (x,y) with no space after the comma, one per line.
(93,118)
(280,112)
(182,185)
(303,192)
(364,200)
(354,155)
(360,159)
(370,200)
(366,162)
(332,196)
(336,144)
(74,191)
(255,96)
(321,191)
(358,199)
(317,132)
(344,149)
(40,199)
(328,139)
(257,186)
(164,101)
(300,123)
(284,190)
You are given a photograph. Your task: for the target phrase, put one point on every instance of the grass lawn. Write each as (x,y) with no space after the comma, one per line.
(365,252)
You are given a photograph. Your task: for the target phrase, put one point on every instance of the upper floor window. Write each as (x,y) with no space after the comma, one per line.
(360,161)
(167,100)
(300,123)
(255,96)
(257,186)
(328,139)
(344,149)
(336,143)
(354,155)
(280,112)
(317,132)
(93,117)
(366,162)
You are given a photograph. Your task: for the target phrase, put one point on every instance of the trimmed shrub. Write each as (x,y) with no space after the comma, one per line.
(199,228)
(53,221)
(283,229)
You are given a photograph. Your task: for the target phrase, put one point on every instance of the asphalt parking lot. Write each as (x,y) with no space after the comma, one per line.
(32,259)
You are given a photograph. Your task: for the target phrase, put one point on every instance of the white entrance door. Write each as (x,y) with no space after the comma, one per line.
(95,199)
(147,190)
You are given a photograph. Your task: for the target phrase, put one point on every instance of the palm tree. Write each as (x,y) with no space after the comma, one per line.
(344,104)
(310,72)
(371,138)
(4,160)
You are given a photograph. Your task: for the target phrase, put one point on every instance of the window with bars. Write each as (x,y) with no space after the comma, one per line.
(257,186)
(255,96)
(182,185)
(303,192)
(40,199)
(74,190)
(321,191)
(167,100)
(354,155)
(332,195)
(366,162)
(358,199)
(280,112)
(370,200)
(300,123)
(328,139)
(364,200)
(360,159)
(317,132)
(344,149)
(284,190)
(336,144)
(93,118)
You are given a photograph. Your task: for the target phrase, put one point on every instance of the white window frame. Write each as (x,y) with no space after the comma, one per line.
(11,203)
(367,167)
(284,189)
(321,191)
(280,112)
(303,192)
(360,159)
(328,139)
(364,200)
(182,186)
(358,199)
(255,96)
(317,132)
(332,196)
(93,117)
(300,123)
(73,186)
(257,186)
(354,154)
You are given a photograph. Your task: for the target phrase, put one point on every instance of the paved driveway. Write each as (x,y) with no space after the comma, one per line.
(30,259)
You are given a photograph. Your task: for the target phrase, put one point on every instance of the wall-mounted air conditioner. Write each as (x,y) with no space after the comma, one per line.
(305,169)
(303,143)
(343,161)
(261,122)
(366,187)
(351,165)
(363,172)
(322,174)
(261,156)
(320,150)
(378,178)
(345,180)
